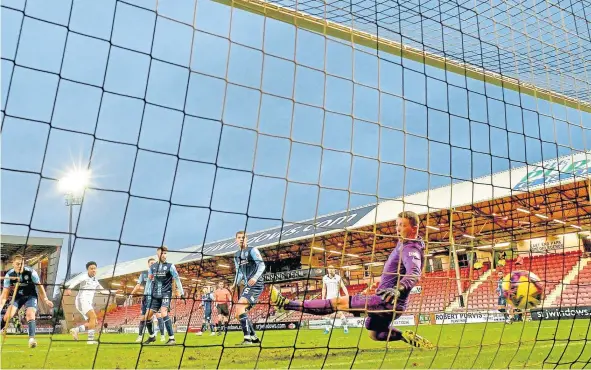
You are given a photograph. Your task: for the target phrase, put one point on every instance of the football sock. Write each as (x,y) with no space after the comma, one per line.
(244,324)
(251,327)
(390,336)
(161,325)
(32,328)
(315,306)
(141,327)
(150,327)
(168,325)
(328,324)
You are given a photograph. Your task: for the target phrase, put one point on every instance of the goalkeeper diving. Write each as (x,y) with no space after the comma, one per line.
(401,272)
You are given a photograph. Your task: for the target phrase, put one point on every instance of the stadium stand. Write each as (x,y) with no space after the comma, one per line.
(550,268)
(438,291)
(578,292)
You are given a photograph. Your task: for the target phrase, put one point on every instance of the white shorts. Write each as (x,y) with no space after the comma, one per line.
(84,307)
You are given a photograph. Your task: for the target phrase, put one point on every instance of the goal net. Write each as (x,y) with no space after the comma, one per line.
(310,125)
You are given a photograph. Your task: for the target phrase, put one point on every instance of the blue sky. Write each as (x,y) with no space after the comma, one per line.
(145,114)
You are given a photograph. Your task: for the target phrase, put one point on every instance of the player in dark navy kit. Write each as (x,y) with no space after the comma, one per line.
(27,286)
(207,304)
(249,270)
(159,290)
(141,282)
(401,272)
(503,307)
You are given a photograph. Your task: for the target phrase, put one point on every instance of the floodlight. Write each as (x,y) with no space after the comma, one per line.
(74,182)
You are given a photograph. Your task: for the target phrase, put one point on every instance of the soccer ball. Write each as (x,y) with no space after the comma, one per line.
(522,289)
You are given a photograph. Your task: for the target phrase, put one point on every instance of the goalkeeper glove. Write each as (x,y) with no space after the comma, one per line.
(389,295)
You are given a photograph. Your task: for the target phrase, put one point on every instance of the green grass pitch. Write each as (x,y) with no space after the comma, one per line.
(493,345)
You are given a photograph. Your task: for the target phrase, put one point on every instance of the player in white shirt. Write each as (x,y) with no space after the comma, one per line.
(331,288)
(89,285)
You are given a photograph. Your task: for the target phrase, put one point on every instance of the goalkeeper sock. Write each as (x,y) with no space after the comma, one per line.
(161,325)
(32,328)
(315,306)
(150,327)
(212,327)
(141,327)
(345,323)
(244,324)
(391,336)
(203,328)
(168,325)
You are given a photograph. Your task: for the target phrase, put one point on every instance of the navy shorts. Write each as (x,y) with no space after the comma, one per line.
(156,303)
(144,305)
(27,301)
(252,293)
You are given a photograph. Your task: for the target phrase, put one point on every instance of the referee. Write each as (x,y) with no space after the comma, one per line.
(223,299)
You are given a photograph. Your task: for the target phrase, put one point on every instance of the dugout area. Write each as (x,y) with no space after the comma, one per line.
(529,221)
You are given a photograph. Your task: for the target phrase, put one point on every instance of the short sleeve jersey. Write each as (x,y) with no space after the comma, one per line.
(28,282)
(249,264)
(142,280)
(207,300)
(163,274)
(88,288)
(333,285)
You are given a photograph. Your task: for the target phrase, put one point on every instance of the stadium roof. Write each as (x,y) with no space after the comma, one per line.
(30,247)
(514,183)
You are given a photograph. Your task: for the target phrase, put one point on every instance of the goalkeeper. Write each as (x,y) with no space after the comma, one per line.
(401,272)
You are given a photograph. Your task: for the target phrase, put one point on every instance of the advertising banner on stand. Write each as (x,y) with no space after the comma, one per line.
(359,322)
(261,326)
(556,313)
(352,322)
(468,318)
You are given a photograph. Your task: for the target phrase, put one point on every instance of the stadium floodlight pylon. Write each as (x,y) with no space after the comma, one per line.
(73,185)
(541,88)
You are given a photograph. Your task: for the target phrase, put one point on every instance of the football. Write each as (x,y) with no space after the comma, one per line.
(522,289)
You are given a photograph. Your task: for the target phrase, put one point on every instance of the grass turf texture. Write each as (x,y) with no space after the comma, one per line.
(492,345)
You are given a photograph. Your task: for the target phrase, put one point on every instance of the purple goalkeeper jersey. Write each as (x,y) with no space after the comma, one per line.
(404,266)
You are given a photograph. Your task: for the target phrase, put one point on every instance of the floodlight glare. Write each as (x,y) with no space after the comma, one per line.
(74,182)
